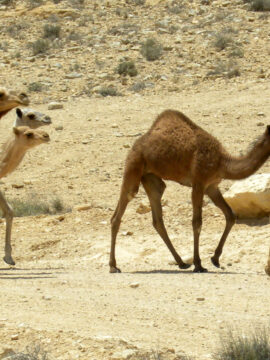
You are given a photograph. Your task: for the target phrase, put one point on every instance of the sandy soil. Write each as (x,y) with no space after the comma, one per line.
(60,293)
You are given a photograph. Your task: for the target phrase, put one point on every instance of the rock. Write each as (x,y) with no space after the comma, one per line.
(55,105)
(17,186)
(73,76)
(14,337)
(143,209)
(200,299)
(7,353)
(59,128)
(134,285)
(83,207)
(124,355)
(250,198)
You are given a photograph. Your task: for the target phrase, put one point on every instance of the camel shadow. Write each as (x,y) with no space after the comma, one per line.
(253,222)
(14,273)
(185,272)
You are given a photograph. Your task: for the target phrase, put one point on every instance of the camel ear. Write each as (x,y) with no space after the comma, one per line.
(268,129)
(19,113)
(16,131)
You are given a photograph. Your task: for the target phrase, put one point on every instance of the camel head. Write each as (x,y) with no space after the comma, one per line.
(31,118)
(9,99)
(27,138)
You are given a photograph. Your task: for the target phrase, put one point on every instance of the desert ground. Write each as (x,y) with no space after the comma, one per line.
(60,295)
(60,292)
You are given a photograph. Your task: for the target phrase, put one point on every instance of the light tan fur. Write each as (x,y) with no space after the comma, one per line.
(176,149)
(9,99)
(13,151)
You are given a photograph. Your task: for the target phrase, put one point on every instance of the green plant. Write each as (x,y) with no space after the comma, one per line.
(35,87)
(31,207)
(222,40)
(40,46)
(127,68)
(227,69)
(4,45)
(260,5)
(6,2)
(51,31)
(31,353)
(109,91)
(151,49)
(138,86)
(35,3)
(238,347)
(74,36)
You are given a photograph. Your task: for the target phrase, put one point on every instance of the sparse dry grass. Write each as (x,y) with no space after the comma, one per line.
(35,206)
(239,347)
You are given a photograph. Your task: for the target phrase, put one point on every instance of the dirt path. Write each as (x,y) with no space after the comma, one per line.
(60,292)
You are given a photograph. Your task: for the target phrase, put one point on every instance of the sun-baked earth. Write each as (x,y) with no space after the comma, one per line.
(60,294)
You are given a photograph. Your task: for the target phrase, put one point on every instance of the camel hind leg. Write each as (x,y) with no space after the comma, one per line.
(217,198)
(129,189)
(154,188)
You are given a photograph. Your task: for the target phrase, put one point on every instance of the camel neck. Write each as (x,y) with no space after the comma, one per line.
(237,168)
(10,157)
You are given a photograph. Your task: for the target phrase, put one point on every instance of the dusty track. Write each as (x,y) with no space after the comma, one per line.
(60,292)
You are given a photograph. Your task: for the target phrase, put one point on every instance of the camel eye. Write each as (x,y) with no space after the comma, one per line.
(31,116)
(2,95)
(30,135)
(23,95)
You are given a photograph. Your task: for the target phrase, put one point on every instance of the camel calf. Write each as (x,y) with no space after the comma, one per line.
(13,151)
(177,149)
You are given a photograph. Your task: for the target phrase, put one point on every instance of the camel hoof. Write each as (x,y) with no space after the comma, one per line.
(200,270)
(114,269)
(215,262)
(184,266)
(9,260)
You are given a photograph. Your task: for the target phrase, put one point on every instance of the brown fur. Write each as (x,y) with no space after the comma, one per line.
(177,149)
(9,99)
(11,155)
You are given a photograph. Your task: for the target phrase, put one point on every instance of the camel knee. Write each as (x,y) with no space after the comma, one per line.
(197,223)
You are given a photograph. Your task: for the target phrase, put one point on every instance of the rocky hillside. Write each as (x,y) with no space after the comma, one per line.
(61,49)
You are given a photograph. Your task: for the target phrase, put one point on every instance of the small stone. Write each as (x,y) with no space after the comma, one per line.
(260,123)
(14,337)
(200,299)
(83,207)
(46,297)
(261,113)
(17,186)
(59,127)
(134,285)
(143,209)
(73,76)
(55,105)
(127,233)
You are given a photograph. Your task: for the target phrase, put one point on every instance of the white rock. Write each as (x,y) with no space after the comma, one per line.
(55,105)
(134,285)
(250,198)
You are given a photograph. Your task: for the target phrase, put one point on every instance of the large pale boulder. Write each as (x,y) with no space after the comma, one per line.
(250,198)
